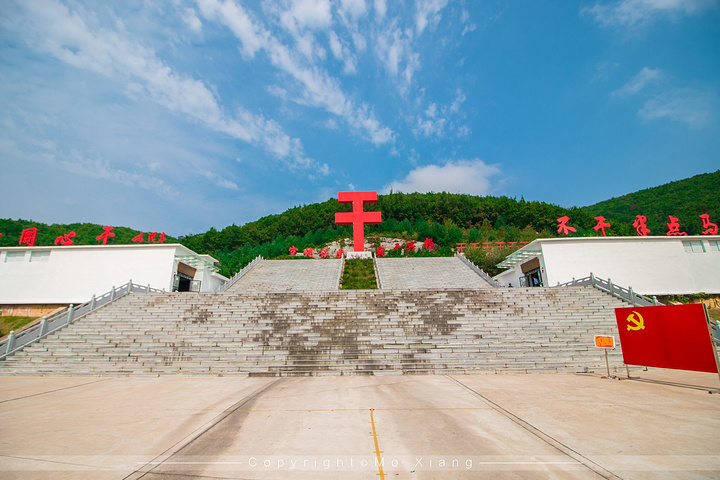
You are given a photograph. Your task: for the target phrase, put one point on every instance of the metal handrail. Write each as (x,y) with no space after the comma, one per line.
(478,270)
(14,343)
(240,274)
(378,278)
(608,286)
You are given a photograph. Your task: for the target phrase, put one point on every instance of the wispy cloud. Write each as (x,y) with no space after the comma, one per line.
(630,13)
(684,105)
(51,27)
(428,13)
(437,120)
(317,87)
(638,82)
(459,176)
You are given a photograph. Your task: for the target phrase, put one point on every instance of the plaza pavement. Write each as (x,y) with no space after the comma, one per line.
(664,425)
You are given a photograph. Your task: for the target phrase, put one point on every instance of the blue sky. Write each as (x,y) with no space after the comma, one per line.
(179,116)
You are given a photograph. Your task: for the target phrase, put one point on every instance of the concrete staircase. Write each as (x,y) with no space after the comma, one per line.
(301,275)
(427,273)
(332,333)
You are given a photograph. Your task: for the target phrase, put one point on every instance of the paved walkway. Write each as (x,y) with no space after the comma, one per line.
(427,273)
(400,427)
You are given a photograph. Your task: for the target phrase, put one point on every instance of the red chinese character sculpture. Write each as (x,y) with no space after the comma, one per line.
(381,251)
(340,253)
(428,244)
(162,237)
(640,226)
(293,250)
(411,246)
(138,237)
(308,252)
(396,248)
(601,225)
(461,247)
(358,218)
(103,237)
(151,236)
(28,236)
(563,227)
(674,227)
(324,253)
(65,239)
(710,228)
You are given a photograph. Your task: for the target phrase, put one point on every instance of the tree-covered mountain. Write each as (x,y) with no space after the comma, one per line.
(444,217)
(684,199)
(85,233)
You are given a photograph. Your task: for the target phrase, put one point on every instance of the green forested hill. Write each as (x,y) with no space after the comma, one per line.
(85,233)
(446,218)
(684,199)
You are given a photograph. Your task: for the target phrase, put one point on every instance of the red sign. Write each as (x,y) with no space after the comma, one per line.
(672,336)
(357,218)
(604,342)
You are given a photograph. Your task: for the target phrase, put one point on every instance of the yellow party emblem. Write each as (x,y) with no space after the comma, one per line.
(635,323)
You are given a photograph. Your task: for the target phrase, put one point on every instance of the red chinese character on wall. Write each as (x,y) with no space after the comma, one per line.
(293,250)
(710,228)
(674,227)
(563,227)
(411,246)
(640,225)
(324,253)
(340,253)
(107,234)
(601,225)
(308,252)
(65,239)
(28,236)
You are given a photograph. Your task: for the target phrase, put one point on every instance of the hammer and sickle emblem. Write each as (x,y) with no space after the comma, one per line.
(637,323)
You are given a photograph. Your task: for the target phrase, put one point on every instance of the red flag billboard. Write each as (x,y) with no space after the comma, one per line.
(672,336)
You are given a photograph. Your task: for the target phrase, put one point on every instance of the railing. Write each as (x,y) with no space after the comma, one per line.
(377,273)
(239,274)
(14,343)
(608,286)
(478,270)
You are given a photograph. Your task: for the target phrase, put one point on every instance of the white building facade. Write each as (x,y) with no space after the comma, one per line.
(650,265)
(73,274)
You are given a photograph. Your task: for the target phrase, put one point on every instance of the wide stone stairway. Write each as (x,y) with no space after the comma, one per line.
(245,331)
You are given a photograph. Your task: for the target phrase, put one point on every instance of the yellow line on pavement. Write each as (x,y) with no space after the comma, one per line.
(377,447)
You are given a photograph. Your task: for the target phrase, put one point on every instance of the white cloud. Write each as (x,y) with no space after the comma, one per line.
(318,88)
(393,49)
(630,13)
(638,82)
(314,14)
(192,21)
(342,53)
(65,34)
(353,8)
(685,105)
(236,19)
(428,13)
(380,9)
(437,119)
(101,169)
(460,176)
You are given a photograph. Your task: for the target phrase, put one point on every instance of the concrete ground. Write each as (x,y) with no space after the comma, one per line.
(664,425)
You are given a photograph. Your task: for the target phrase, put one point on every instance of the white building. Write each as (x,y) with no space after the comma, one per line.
(650,265)
(73,274)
